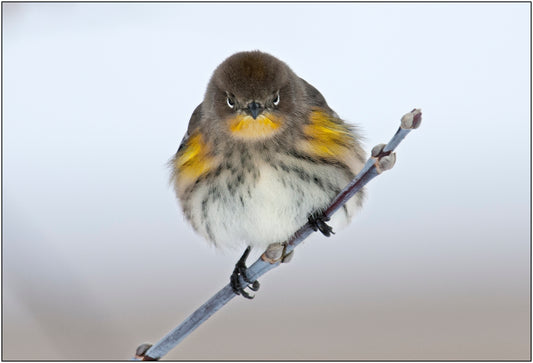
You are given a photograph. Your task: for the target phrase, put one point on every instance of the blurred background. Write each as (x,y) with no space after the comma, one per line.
(97,257)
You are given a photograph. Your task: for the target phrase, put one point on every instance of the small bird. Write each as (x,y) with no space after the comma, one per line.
(263,155)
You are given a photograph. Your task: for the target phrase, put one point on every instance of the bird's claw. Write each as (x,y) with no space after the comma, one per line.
(240,273)
(317,221)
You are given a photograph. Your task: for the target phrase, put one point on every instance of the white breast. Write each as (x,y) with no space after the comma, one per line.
(267,209)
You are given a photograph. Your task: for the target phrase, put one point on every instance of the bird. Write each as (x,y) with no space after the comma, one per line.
(263,154)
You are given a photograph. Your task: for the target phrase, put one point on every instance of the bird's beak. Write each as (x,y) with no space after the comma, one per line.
(255,109)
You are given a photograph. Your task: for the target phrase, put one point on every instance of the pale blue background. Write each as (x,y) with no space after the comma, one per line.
(97,257)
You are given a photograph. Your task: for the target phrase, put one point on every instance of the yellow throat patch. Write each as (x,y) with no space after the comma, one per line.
(246,127)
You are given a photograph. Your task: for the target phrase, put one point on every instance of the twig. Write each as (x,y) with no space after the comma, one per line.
(377,163)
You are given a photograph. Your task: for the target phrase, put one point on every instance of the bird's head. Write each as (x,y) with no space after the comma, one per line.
(252,95)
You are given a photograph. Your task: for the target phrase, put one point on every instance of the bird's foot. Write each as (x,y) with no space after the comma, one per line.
(240,273)
(317,221)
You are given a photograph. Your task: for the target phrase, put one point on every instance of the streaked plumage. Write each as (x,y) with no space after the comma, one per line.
(262,152)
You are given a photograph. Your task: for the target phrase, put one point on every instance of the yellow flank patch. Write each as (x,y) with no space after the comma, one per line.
(327,136)
(247,127)
(194,159)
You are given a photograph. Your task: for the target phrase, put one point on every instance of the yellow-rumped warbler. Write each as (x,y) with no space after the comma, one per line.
(263,154)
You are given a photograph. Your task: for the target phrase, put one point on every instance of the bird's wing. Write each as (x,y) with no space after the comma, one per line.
(344,131)
(314,97)
(193,124)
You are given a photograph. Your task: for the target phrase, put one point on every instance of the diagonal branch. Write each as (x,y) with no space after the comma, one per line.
(377,163)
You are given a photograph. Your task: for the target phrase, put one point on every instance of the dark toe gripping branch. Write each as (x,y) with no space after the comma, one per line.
(240,274)
(317,221)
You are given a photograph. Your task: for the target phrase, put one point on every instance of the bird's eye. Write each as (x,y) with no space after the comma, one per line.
(230,102)
(275,101)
